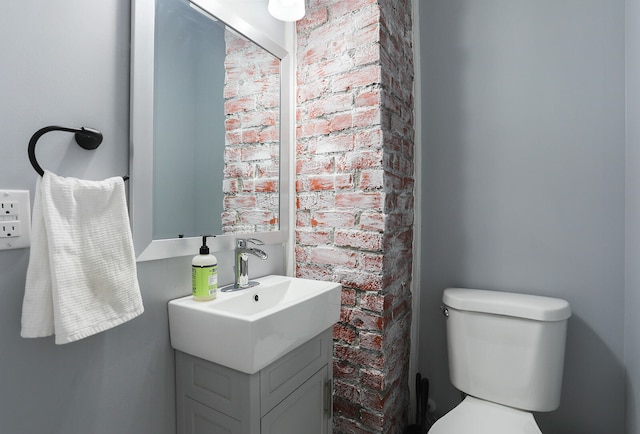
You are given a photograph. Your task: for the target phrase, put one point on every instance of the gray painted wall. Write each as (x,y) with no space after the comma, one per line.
(67,63)
(523,181)
(632,300)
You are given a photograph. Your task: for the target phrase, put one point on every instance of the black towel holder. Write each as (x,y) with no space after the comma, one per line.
(87,138)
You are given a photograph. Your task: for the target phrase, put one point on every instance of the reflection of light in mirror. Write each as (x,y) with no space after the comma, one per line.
(203,12)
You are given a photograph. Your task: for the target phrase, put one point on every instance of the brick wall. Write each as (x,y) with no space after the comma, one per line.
(354,221)
(252,123)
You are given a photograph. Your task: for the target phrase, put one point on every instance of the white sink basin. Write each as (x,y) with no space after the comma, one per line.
(247,329)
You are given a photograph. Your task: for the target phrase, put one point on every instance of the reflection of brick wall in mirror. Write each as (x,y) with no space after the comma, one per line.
(252,123)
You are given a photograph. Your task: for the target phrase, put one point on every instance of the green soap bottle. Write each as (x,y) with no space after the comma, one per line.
(204,274)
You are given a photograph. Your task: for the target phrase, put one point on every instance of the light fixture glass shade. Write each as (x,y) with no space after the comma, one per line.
(286,10)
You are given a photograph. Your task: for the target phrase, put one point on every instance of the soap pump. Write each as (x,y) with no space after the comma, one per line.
(204,274)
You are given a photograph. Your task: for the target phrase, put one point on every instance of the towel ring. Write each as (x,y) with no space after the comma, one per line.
(87,138)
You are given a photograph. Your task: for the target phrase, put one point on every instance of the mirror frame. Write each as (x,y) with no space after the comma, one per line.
(141,131)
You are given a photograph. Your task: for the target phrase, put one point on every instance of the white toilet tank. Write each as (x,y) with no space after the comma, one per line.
(507,348)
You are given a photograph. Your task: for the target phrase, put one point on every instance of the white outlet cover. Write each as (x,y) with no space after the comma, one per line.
(21,197)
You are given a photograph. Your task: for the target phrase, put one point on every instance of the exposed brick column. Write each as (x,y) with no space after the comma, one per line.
(354,220)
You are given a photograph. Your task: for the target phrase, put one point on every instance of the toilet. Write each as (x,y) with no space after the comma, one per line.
(506,353)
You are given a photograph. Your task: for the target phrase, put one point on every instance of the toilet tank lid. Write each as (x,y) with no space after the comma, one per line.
(506,303)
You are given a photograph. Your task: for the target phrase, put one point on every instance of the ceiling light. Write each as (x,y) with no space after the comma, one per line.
(286,10)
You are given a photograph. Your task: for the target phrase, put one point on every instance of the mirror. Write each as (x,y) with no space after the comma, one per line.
(207,117)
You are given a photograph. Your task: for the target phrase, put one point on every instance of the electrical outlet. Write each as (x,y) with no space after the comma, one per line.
(9,208)
(15,219)
(10,229)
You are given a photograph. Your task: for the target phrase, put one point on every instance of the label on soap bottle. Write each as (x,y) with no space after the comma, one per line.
(204,281)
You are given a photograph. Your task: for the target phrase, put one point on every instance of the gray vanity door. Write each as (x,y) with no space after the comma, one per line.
(293,395)
(201,419)
(304,411)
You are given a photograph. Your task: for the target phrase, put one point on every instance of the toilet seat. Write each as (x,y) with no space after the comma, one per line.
(475,416)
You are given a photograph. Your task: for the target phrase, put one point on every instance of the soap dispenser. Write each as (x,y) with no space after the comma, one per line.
(204,274)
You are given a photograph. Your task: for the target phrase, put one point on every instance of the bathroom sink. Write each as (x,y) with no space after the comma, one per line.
(248,329)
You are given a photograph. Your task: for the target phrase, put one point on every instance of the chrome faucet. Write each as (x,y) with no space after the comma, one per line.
(242,260)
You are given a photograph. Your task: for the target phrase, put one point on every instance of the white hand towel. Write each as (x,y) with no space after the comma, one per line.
(81,278)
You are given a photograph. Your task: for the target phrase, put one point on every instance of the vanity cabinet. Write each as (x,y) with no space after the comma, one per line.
(291,395)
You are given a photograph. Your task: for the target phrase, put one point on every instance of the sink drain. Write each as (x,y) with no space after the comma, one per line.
(256,297)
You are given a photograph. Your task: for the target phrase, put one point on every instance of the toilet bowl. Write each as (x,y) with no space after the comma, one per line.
(477,416)
(506,352)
